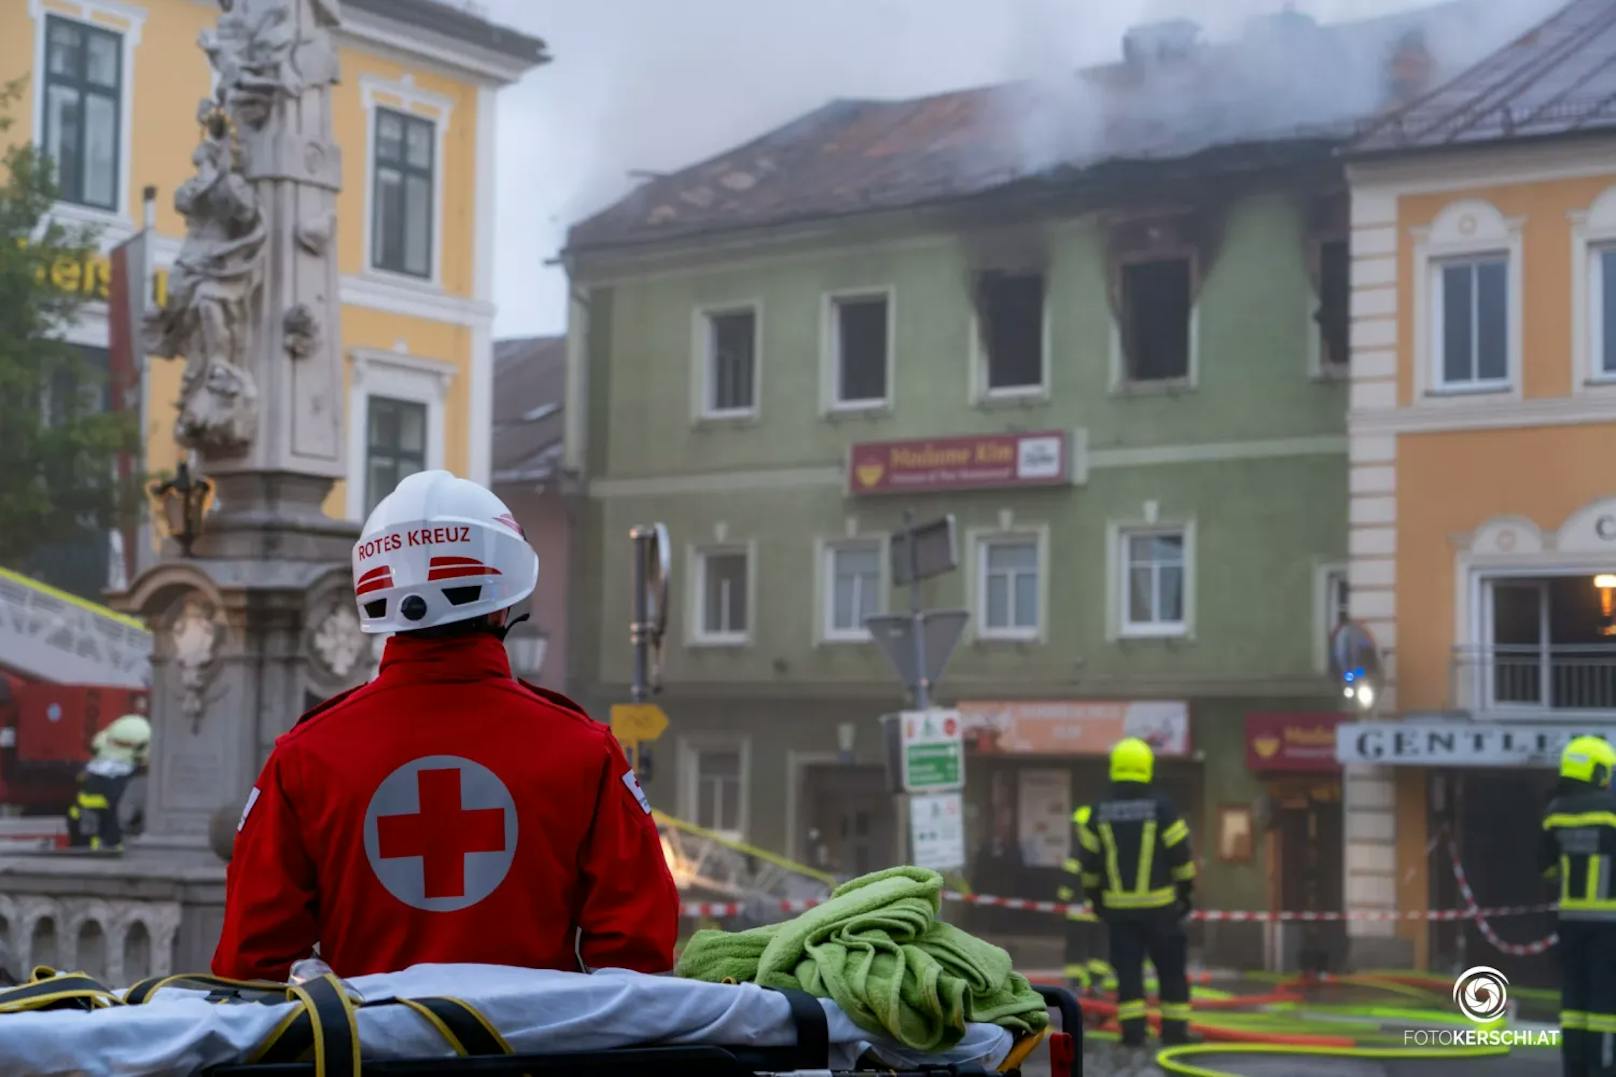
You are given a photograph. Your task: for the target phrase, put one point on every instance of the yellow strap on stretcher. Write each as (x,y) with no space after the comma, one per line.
(1022,1048)
(48,989)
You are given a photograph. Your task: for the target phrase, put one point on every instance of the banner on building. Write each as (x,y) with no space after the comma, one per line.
(1458,744)
(1294,742)
(978,461)
(1075,727)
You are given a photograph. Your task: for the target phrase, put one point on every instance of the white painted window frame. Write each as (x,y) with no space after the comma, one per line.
(831,402)
(1463,230)
(424,105)
(980,542)
(396,376)
(1323,608)
(697,562)
(1121,383)
(981,394)
(690,748)
(1118,565)
(702,359)
(1593,232)
(826,559)
(113,16)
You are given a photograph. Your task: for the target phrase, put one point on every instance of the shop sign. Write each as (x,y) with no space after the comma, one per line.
(1458,744)
(1293,742)
(973,462)
(90,275)
(1075,726)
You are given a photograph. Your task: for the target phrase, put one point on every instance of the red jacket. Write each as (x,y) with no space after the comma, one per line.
(445,812)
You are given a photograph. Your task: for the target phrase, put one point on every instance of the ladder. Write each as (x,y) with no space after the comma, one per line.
(714,865)
(50,635)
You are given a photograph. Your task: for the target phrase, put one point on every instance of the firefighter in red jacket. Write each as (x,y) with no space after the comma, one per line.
(445,812)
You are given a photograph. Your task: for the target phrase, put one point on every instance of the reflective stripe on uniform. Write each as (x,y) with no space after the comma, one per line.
(1086,838)
(1184,872)
(1112,873)
(93,801)
(1594,889)
(1091,879)
(1573,1019)
(1601,1022)
(1071,866)
(1064,893)
(1147,852)
(1132,1010)
(1176,832)
(1175,1011)
(1150,899)
(1586,818)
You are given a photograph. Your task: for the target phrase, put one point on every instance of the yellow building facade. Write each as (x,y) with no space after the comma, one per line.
(1483,498)
(112,94)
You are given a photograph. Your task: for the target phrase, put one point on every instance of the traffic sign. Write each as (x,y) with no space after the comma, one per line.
(937,831)
(894,634)
(932,750)
(638,721)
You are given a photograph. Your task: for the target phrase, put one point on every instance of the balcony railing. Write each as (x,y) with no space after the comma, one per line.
(1557,677)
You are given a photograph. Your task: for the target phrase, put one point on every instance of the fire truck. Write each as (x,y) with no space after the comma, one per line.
(67,668)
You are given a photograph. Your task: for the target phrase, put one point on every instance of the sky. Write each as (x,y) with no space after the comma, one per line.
(655,85)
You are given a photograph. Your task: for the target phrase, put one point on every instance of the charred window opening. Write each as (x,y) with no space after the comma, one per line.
(1010,308)
(860,325)
(1335,290)
(1156,318)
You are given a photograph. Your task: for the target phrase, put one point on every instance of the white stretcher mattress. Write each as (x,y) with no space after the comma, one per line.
(537,1011)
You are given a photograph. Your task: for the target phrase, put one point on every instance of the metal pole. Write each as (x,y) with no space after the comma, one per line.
(639,632)
(916,621)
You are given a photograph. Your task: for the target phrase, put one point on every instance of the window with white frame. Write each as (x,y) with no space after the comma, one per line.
(1336,608)
(729,340)
(852,588)
(83,88)
(401,204)
(1602,311)
(1471,322)
(1007,600)
(859,349)
(1153,581)
(395,445)
(722,582)
(716,787)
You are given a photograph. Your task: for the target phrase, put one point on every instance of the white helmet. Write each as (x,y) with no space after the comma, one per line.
(126,739)
(439,549)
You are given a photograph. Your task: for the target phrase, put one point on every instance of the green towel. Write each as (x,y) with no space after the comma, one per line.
(878,951)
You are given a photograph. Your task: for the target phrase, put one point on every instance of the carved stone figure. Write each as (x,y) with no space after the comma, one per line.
(302,331)
(216,274)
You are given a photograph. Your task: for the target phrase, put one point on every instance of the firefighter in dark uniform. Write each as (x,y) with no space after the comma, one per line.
(120,750)
(1576,850)
(1135,865)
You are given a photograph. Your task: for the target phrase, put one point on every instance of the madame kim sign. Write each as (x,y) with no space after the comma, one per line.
(1457,744)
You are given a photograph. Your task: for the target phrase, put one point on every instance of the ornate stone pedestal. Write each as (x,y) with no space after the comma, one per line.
(259,624)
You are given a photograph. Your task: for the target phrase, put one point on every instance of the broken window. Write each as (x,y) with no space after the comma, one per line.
(1156,313)
(1334,297)
(860,324)
(731,361)
(1011,309)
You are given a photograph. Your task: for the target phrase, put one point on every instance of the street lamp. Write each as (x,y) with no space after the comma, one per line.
(180,505)
(527,652)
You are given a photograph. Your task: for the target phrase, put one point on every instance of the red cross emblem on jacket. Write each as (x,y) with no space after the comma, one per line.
(446,813)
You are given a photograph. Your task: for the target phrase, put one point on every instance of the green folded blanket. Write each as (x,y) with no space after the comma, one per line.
(878,951)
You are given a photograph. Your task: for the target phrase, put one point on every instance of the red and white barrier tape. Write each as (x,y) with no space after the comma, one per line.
(726,909)
(1480,915)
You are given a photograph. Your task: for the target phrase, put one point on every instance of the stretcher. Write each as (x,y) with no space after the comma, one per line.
(483,1019)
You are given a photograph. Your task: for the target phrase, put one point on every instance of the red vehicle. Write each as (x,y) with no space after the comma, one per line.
(45,734)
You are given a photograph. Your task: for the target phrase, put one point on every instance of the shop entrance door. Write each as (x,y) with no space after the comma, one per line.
(1307,874)
(851,825)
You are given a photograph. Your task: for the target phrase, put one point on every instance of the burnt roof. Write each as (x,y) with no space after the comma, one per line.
(1558,78)
(530,388)
(441,18)
(858,156)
